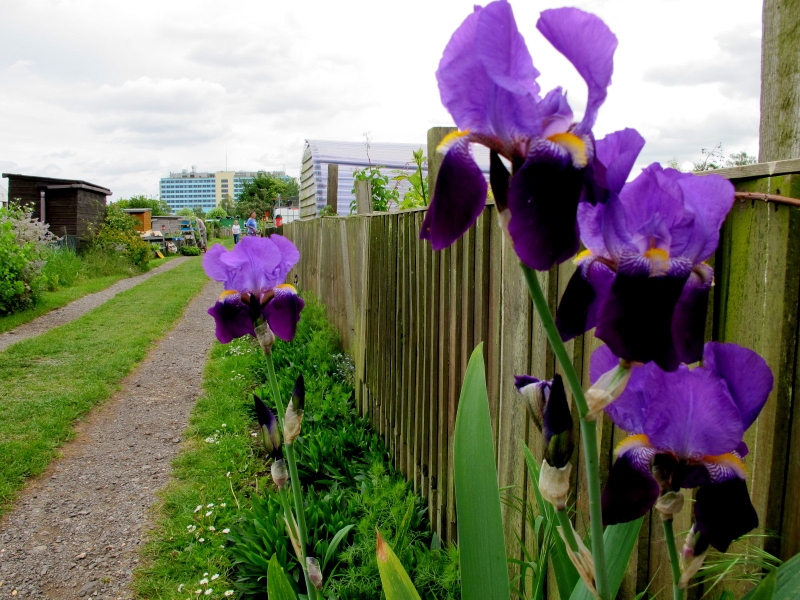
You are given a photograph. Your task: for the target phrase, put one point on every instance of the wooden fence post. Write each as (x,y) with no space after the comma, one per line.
(363,197)
(435,137)
(779,135)
(333,188)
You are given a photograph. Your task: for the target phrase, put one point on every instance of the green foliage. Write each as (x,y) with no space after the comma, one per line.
(159,207)
(24,245)
(118,234)
(396,582)
(484,570)
(327,211)
(185,212)
(278,586)
(190,250)
(259,195)
(382,195)
(62,269)
(227,204)
(787,581)
(216,213)
(418,194)
(197,211)
(749,565)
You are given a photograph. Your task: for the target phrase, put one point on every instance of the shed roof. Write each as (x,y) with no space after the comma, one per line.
(391,156)
(136,210)
(52,183)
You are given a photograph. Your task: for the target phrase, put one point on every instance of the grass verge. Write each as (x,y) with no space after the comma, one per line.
(49,381)
(84,286)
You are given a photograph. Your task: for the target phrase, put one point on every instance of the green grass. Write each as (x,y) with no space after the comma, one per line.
(61,297)
(49,381)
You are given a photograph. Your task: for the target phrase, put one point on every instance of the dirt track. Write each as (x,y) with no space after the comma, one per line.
(76,530)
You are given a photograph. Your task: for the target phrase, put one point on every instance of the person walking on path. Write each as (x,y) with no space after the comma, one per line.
(201,229)
(252,224)
(236,231)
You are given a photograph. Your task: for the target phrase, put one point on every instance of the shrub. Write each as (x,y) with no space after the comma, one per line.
(118,234)
(24,244)
(190,251)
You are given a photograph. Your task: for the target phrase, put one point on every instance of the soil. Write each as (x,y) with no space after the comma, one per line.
(80,307)
(76,531)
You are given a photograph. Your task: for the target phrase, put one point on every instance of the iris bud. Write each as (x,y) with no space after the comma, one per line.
(265,337)
(547,403)
(693,554)
(557,426)
(269,427)
(292,422)
(670,504)
(608,388)
(314,572)
(279,473)
(554,484)
(299,392)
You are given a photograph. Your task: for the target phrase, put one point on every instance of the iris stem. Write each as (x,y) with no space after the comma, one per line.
(297,492)
(588,431)
(678,593)
(566,527)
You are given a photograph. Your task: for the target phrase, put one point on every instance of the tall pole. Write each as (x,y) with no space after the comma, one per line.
(779,132)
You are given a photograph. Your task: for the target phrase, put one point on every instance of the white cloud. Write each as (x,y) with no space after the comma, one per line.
(121,96)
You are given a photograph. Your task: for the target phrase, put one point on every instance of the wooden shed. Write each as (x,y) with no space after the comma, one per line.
(71,206)
(143,215)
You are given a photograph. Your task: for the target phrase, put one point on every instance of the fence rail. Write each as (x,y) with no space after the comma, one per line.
(411,316)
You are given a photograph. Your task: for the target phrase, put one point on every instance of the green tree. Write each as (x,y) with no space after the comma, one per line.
(292,188)
(185,212)
(259,195)
(197,211)
(227,204)
(159,207)
(216,213)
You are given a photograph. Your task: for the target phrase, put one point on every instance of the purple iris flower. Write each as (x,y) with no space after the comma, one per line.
(253,274)
(488,83)
(642,280)
(687,428)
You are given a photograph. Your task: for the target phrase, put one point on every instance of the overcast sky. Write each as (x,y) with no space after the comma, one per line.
(121,93)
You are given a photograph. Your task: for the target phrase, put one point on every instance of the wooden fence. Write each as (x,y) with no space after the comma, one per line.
(411,316)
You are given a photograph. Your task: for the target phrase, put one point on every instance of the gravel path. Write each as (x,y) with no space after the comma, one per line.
(80,307)
(76,530)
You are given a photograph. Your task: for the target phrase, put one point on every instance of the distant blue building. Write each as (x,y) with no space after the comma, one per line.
(188,189)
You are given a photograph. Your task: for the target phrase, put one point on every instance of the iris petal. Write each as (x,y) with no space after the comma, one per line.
(589,45)
(691,414)
(579,305)
(636,318)
(283,312)
(723,512)
(543,200)
(232,317)
(630,490)
(618,152)
(689,318)
(746,374)
(458,200)
(252,266)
